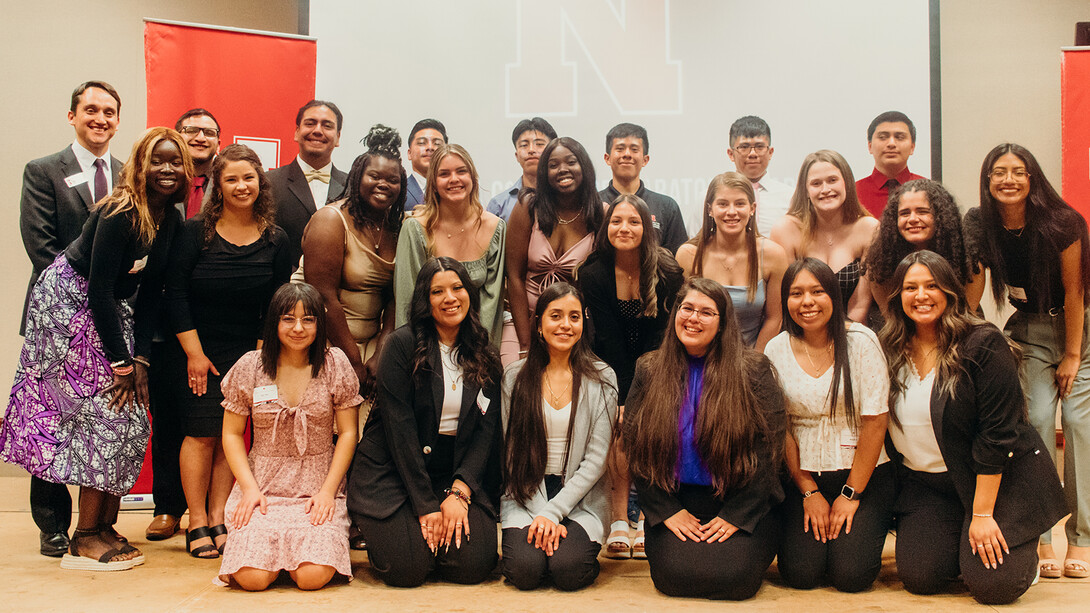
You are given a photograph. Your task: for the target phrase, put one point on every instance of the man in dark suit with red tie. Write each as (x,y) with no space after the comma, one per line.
(310,180)
(201,132)
(58,192)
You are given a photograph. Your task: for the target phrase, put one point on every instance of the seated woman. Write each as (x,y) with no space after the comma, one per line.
(287,509)
(452,223)
(704,436)
(629,284)
(729,251)
(977,487)
(559,405)
(826,221)
(425,474)
(920,215)
(834,377)
(552,229)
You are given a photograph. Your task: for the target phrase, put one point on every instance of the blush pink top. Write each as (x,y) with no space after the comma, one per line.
(543,267)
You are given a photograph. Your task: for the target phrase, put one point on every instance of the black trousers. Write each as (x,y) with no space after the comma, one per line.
(731,570)
(167,431)
(933,544)
(50,505)
(573,565)
(851,561)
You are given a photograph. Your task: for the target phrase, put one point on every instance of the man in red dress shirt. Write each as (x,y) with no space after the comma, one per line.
(891,139)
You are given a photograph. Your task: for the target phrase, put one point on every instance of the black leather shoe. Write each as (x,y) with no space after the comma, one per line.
(54,545)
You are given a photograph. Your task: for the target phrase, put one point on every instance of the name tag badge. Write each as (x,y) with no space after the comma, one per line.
(848,439)
(1018,293)
(76,179)
(265,393)
(482,402)
(655,223)
(138,265)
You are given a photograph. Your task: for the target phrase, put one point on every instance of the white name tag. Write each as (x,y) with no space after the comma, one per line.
(76,179)
(482,402)
(265,393)
(138,265)
(848,439)
(1017,293)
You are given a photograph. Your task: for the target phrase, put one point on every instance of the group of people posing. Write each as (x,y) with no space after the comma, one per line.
(565,371)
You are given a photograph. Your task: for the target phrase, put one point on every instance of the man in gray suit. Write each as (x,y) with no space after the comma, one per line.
(58,192)
(310,180)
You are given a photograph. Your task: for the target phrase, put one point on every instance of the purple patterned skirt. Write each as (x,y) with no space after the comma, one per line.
(58,425)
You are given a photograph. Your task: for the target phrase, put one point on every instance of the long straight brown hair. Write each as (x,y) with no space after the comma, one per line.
(729,420)
(707,231)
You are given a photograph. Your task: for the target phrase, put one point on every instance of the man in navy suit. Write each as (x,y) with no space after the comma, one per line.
(58,192)
(310,180)
(424,139)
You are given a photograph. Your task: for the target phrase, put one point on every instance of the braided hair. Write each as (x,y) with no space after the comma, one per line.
(385,142)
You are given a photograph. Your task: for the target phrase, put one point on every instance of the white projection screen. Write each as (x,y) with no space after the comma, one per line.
(817,72)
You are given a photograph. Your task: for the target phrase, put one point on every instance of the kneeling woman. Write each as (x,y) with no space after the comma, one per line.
(704,428)
(976,488)
(834,376)
(287,509)
(425,475)
(559,405)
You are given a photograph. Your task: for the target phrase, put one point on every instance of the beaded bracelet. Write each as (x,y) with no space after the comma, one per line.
(457,493)
(982,514)
(123,371)
(143,362)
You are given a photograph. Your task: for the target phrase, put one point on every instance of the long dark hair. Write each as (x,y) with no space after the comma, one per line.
(543,199)
(382,141)
(264,210)
(955,323)
(283,302)
(890,247)
(836,329)
(656,263)
(729,418)
(525,451)
(476,356)
(706,236)
(1048,217)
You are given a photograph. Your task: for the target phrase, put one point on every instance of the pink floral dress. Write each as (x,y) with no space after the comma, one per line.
(291,454)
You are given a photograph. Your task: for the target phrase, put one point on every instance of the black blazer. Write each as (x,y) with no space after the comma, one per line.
(597,279)
(51,214)
(982,430)
(391,462)
(295,204)
(743,506)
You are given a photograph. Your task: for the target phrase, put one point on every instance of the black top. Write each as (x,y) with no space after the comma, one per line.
(223,290)
(394,458)
(618,340)
(665,215)
(745,505)
(109,254)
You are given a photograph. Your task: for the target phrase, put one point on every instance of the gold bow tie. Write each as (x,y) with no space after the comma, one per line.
(317,174)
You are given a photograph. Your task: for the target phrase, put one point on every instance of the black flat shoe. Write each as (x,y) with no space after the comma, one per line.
(54,545)
(193,534)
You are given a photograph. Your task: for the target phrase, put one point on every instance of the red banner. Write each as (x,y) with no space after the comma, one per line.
(253,82)
(1075,127)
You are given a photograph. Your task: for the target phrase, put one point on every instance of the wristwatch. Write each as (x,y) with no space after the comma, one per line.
(849,492)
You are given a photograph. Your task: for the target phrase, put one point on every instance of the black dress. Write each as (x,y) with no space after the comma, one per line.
(222,291)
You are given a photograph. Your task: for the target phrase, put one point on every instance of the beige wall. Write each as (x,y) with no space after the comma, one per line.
(49,49)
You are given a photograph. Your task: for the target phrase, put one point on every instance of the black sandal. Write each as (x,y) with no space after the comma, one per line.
(125,547)
(74,561)
(192,534)
(219,530)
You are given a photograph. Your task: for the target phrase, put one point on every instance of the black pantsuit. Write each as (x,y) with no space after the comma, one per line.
(851,561)
(573,565)
(50,505)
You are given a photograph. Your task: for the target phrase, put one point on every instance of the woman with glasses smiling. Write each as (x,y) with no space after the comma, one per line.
(704,430)
(1036,247)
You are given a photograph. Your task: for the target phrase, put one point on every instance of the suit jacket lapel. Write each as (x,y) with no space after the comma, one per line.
(115,166)
(414,189)
(297,184)
(70,166)
(938,409)
(438,386)
(336,185)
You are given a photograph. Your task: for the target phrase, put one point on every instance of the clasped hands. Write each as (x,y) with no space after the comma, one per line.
(449,523)
(686,527)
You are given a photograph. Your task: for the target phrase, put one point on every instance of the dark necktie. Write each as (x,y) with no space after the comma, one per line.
(890,185)
(100,179)
(196,195)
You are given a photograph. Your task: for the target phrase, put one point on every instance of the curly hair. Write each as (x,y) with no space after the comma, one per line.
(264,209)
(382,141)
(131,191)
(890,247)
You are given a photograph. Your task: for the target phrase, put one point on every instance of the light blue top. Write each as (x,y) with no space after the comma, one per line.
(504,202)
(751,315)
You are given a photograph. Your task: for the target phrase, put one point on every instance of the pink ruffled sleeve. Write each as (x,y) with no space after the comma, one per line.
(238,384)
(344,386)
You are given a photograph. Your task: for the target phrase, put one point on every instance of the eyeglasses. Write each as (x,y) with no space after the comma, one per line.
(745,148)
(308,321)
(686,311)
(1001,174)
(194,130)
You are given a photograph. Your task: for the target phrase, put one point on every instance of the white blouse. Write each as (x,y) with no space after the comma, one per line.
(914,437)
(826,444)
(452,391)
(556,436)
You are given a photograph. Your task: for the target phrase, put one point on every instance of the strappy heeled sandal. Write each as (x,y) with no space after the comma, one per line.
(638,551)
(192,534)
(618,545)
(219,530)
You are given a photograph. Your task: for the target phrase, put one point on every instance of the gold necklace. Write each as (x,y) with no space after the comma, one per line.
(806,348)
(560,220)
(923,358)
(554,396)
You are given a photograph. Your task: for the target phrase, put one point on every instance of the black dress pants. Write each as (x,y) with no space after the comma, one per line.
(167,428)
(933,544)
(50,505)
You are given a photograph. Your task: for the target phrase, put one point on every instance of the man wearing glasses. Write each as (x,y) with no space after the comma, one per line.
(891,139)
(201,132)
(425,137)
(751,150)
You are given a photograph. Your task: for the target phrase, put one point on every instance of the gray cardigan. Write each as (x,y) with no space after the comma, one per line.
(585,495)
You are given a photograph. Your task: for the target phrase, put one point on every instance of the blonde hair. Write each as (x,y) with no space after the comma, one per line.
(801,207)
(429,210)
